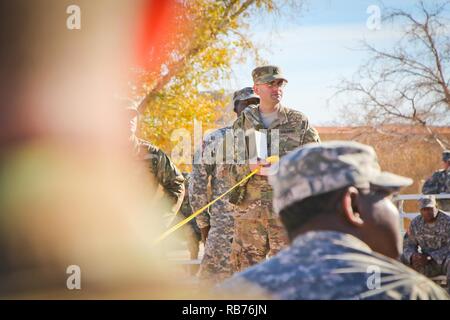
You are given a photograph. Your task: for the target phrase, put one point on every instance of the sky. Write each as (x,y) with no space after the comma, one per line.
(317,49)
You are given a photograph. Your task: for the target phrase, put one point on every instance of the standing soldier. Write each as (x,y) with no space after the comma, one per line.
(427,247)
(161,167)
(257,232)
(439,182)
(217,228)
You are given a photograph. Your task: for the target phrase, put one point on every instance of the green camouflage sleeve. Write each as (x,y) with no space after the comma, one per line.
(410,244)
(431,186)
(169,177)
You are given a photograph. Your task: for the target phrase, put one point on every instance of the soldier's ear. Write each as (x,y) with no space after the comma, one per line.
(350,207)
(256,89)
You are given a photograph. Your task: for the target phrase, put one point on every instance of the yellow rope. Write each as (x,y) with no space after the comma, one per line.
(271,160)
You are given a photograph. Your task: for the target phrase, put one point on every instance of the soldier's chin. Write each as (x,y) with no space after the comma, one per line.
(276,98)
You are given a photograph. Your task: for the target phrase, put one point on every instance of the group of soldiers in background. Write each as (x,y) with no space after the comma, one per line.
(331,186)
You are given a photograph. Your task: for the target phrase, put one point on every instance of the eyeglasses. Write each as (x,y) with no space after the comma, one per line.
(276,84)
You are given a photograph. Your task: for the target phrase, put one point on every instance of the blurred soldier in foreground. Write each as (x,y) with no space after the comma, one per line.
(74,222)
(257,232)
(427,247)
(217,228)
(161,167)
(334,201)
(439,182)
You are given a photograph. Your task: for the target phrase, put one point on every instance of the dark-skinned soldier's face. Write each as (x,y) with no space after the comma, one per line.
(380,229)
(428,214)
(242,104)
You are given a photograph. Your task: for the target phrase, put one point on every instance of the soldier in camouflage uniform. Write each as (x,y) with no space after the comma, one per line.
(217,227)
(334,201)
(161,167)
(439,182)
(257,233)
(427,246)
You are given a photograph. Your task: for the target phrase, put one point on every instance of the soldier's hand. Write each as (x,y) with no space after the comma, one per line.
(204,232)
(263,165)
(419,260)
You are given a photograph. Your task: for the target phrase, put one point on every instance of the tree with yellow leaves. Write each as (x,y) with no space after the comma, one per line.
(207,37)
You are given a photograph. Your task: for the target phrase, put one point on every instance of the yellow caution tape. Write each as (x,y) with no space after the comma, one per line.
(271,160)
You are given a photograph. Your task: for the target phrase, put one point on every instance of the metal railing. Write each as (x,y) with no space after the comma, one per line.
(400,200)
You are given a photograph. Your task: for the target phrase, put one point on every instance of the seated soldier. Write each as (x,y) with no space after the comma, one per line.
(427,246)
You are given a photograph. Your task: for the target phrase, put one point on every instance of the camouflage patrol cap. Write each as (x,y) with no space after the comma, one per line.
(320,168)
(446,155)
(266,74)
(244,94)
(427,202)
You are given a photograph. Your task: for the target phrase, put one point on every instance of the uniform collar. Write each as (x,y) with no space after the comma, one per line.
(335,237)
(252,113)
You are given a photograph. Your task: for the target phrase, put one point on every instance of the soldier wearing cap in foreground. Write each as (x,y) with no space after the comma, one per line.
(427,246)
(217,227)
(439,182)
(258,233)
(334,201)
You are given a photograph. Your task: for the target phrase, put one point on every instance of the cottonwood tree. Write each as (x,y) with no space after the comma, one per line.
(188,65)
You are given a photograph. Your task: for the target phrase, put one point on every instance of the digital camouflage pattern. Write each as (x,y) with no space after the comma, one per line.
(266,74)
(293,130)
(254,198)
(320,168)
(215,265)
(427,202)
(244,94)
(432,239)
(438,183)
(190,231)
(253,236)
(323,265)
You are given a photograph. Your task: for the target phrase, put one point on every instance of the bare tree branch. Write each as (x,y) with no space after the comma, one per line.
(407,83)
